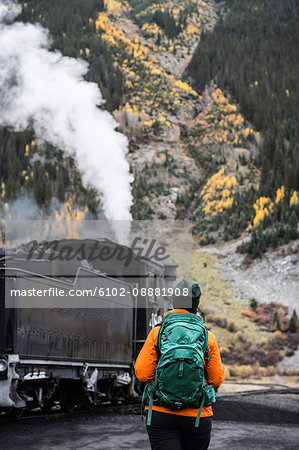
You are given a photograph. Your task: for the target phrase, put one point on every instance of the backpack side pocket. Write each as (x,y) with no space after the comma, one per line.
(209,393)
(147,393)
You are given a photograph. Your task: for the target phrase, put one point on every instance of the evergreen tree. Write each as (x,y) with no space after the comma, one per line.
(158,41)
(261,239)
(253,304)
(293,223)
(60,187)
(293,323)
(287,234)
(276,320)
(274,239)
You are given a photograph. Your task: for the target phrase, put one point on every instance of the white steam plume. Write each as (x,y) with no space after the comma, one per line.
(46,90)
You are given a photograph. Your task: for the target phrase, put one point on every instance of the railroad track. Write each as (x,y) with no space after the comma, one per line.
(263,389)
(133,407)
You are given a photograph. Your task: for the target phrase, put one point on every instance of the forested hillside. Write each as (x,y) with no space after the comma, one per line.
(214,140)
(253,53)
(123,57)
(72,28)
(26,165)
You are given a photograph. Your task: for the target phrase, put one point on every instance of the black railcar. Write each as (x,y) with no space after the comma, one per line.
(81,352)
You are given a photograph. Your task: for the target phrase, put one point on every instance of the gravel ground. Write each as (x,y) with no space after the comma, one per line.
(254,436)
(128,432)
(256,421)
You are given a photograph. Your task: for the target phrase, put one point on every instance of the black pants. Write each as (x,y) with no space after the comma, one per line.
(174,432)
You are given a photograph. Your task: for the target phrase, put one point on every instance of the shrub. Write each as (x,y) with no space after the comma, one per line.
(262,371)
(231,326)
(232,372)
(263,342)
(239,337)
(220,321)
(248,313)
(227,373)
(262,319)
(224,351)
(162,216)
(243,371)
(271,371)
(278,334)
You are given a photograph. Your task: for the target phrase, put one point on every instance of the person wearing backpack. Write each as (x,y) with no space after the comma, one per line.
(181,363)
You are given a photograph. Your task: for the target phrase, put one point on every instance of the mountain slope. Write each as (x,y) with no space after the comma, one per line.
(194,154)
(253,52)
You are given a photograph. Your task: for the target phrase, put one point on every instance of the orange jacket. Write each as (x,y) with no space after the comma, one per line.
(147,361)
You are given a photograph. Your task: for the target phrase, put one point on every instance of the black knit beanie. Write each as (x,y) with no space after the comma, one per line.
(186,295)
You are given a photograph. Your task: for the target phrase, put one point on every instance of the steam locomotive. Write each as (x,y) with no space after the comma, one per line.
(82,352)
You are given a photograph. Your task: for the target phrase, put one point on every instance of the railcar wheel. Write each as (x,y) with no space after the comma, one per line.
(125,393)
(15,412)
(47,406)
(90,405)
(67,402)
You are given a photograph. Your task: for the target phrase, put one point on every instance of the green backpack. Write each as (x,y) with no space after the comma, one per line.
(180,375)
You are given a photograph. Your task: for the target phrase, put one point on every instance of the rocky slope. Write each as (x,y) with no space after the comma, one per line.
(273,278)
(161,114)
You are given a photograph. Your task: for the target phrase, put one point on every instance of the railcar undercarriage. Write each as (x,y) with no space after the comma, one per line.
(44,384)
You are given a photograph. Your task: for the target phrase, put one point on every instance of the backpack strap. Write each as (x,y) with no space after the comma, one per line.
(150,409)
(157,345)
(199,411)
(206,353)
(207,357)
(158,351)
(151,397)
(150,405)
